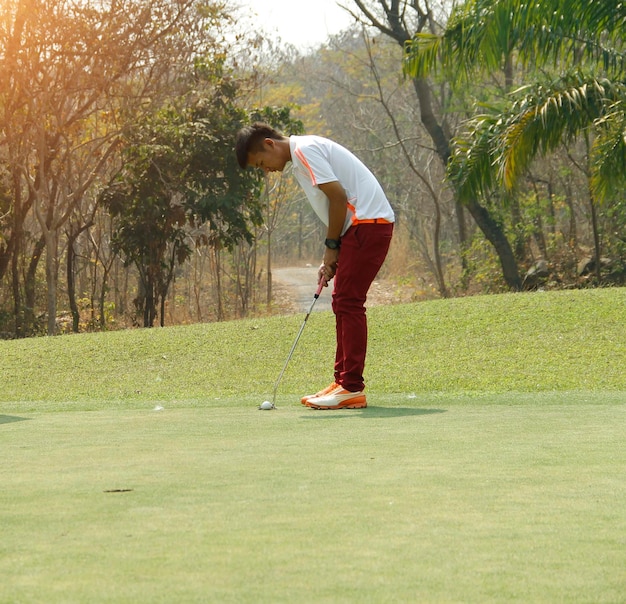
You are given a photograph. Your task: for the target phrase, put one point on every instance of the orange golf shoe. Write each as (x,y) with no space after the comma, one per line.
(326,390)
(337,398)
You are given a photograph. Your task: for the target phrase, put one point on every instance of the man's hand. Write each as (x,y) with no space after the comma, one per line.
(328,267)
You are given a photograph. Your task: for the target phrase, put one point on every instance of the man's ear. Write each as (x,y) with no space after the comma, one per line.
(269,142)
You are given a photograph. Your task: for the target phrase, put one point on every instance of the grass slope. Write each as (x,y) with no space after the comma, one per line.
(489,467)
(528,343)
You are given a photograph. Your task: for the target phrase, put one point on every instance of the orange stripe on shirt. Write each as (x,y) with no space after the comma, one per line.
(306,165)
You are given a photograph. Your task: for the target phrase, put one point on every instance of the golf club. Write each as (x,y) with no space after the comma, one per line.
(306,318)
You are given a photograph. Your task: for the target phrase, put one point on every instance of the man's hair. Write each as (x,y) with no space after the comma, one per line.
(250,140)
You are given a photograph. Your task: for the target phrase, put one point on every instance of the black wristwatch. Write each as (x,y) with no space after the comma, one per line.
(332,244)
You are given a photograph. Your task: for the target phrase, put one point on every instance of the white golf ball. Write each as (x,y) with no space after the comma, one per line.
(266,405)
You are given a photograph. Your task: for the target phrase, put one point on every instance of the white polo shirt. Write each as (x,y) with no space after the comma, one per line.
(317,160)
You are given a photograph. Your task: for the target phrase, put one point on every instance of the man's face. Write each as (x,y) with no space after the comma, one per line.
(271,158)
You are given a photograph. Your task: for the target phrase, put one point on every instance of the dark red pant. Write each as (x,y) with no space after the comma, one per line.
(363,251)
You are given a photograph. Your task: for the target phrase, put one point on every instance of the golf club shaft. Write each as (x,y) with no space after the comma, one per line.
(295,343)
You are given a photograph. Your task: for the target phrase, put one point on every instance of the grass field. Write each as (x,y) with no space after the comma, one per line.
(490,464)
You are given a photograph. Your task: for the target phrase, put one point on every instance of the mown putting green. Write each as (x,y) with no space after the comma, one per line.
(506,498)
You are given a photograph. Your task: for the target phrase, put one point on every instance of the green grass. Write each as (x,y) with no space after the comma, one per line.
(489,466)
(531,343)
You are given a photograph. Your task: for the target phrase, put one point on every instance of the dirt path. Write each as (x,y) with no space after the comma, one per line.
(298,284)
(294,288)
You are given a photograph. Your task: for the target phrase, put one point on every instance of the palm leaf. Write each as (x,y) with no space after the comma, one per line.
(501,146)
(608,154)
(481,32)
(549,117)
(471,166)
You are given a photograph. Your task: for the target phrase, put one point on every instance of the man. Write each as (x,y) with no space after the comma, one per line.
(359,220)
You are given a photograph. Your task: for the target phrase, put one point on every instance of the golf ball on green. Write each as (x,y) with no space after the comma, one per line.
(266,405)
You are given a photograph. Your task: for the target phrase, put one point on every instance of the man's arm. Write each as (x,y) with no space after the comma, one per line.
(337,209)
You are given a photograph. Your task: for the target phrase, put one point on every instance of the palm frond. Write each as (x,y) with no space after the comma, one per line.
(481,32)
(421,55)
(501,145)
(549,117)
(465,43)
(471,167)
(573,31)
(608,154)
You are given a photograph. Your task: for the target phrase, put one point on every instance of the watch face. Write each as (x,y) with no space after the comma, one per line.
(332,244)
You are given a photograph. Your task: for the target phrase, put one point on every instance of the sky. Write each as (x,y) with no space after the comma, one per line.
(303,23)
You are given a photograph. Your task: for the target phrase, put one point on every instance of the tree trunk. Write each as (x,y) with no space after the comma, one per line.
(52,280)
(441,281)
(11,254)
(30,285)
(149,310)
(103,292)
(596,236)
(12,251)
(74,233)
(71,280)
(17,299)
(495,235)
(162,313)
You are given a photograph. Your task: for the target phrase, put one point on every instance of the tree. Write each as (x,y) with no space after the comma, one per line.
(179,174)
(73,75)
(402,20)
(578,91)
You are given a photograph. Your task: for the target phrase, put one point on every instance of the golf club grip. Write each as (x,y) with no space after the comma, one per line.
(320,287)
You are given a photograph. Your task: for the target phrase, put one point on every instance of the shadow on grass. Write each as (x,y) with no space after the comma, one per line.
(9,419)
(371,412)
